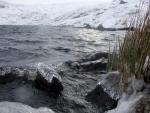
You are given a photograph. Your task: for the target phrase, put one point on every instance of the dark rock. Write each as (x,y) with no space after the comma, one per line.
(49,80)
(100,64)
(107,92)
(88,26)
(94,56)
(2,6)
(100,27)
(99,97)
(123,2)
(92,62)
(111,83)
(7,74)
(125,28)
(97,65)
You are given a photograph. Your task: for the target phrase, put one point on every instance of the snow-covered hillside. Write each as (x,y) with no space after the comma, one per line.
(113,14)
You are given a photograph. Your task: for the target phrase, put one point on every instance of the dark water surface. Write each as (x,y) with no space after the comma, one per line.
(28,45)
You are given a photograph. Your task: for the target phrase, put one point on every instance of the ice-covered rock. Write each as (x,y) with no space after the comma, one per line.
(111,84)
(93,62)
(94,56)
(136,98)
(48,79)
(100,64)
(13,107)
(136,102)
(99,97)
(107,92)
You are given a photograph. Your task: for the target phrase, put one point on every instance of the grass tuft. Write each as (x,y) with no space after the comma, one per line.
(133,56)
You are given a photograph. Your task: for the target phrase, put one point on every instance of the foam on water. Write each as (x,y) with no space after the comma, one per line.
(126,105)
(13,107)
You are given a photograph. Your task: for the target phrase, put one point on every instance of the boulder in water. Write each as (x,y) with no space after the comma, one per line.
(93,62)
(100,64)
(9,74)
(48,79)
(99,97)
(111,84)
(94,56)
(107,92)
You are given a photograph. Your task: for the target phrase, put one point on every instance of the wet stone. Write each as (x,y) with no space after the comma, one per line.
(99,97)
(48,80)
(94,62)
(7,75)
(107,92)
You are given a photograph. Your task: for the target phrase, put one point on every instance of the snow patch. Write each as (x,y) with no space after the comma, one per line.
(74,13)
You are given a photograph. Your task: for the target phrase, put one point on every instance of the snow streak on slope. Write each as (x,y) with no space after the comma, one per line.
(112,14)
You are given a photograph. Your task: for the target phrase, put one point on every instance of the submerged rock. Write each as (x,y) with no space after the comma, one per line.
(100,64)
(48,79)
(7,74)
(94,56)
(107,91)
(93,62)
(13,107)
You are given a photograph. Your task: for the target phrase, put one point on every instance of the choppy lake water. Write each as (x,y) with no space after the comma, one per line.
(28,45)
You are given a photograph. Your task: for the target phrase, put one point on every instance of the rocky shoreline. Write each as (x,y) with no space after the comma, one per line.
(106,94)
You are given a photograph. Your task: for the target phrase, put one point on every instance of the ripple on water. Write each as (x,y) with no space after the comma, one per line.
(24,42)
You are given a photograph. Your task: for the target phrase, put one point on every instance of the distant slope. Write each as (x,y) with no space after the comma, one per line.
(115,14)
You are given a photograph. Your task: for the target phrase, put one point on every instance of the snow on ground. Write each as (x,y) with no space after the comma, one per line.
(109,14)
